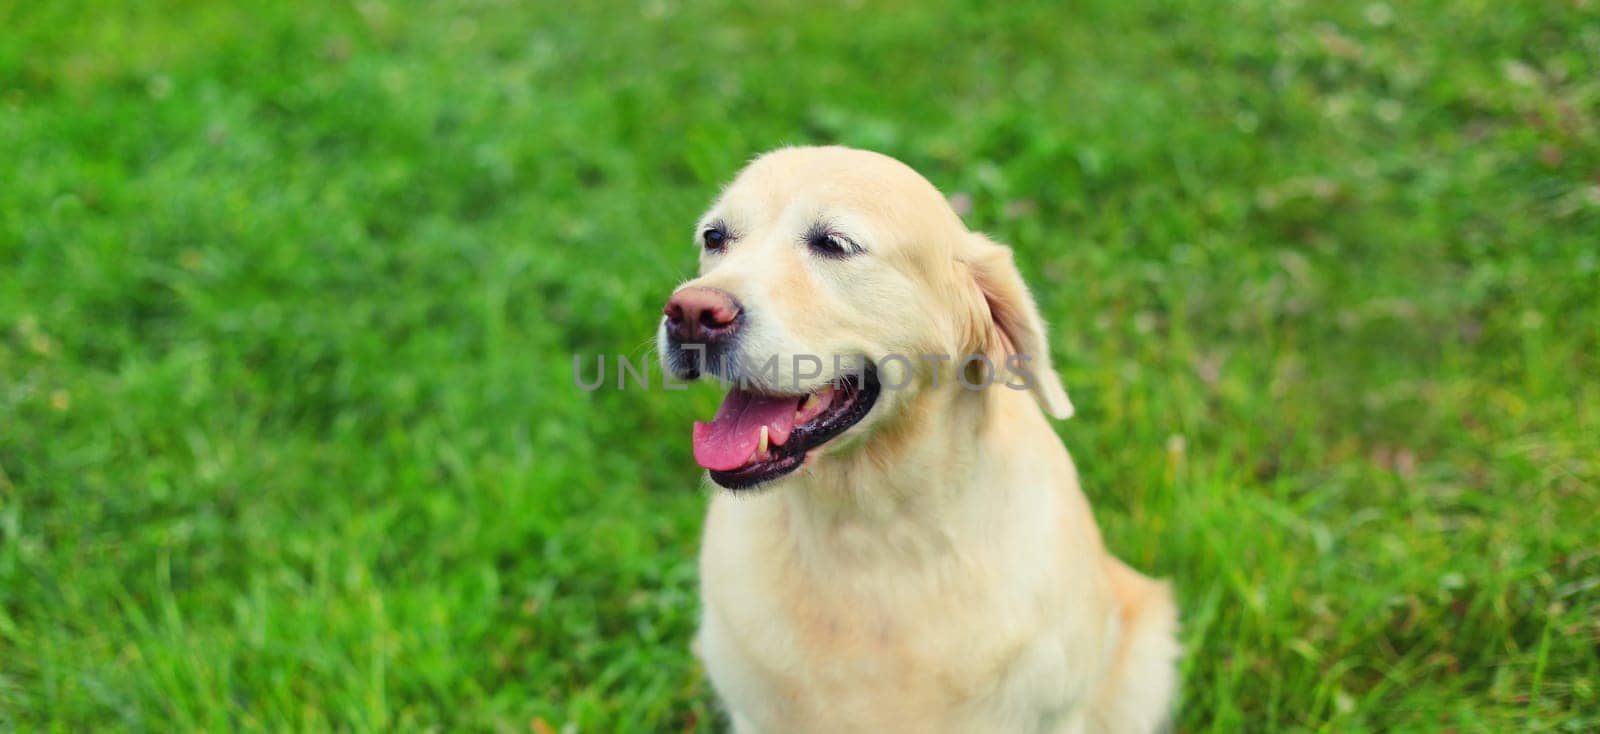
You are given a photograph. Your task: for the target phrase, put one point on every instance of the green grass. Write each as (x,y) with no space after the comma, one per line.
(289,294)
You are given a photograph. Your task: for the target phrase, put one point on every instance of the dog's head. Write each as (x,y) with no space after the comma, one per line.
(836,287)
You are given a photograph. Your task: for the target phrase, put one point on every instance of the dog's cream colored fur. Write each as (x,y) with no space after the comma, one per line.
(936,568)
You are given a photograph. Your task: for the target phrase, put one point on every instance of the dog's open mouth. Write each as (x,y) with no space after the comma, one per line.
(757,438)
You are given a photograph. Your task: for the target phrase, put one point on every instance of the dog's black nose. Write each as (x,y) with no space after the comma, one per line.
(699,315)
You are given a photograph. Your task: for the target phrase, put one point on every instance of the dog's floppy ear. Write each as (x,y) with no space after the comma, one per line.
(1006,322)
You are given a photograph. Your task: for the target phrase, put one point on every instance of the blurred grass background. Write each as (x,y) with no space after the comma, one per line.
(289,294)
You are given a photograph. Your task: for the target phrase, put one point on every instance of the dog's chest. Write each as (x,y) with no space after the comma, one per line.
(952,645)
(879,680)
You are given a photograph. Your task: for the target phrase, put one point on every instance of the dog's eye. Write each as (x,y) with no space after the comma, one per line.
(828,243)
(715,237)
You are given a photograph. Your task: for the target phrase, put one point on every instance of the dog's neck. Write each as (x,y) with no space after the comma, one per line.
(887,495)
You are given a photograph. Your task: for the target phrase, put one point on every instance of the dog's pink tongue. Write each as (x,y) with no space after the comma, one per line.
(732,436)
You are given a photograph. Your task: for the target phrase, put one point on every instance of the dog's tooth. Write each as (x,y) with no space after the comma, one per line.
(809,403)
(761,448)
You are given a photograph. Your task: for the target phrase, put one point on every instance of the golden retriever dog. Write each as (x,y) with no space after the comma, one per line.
(899,543)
